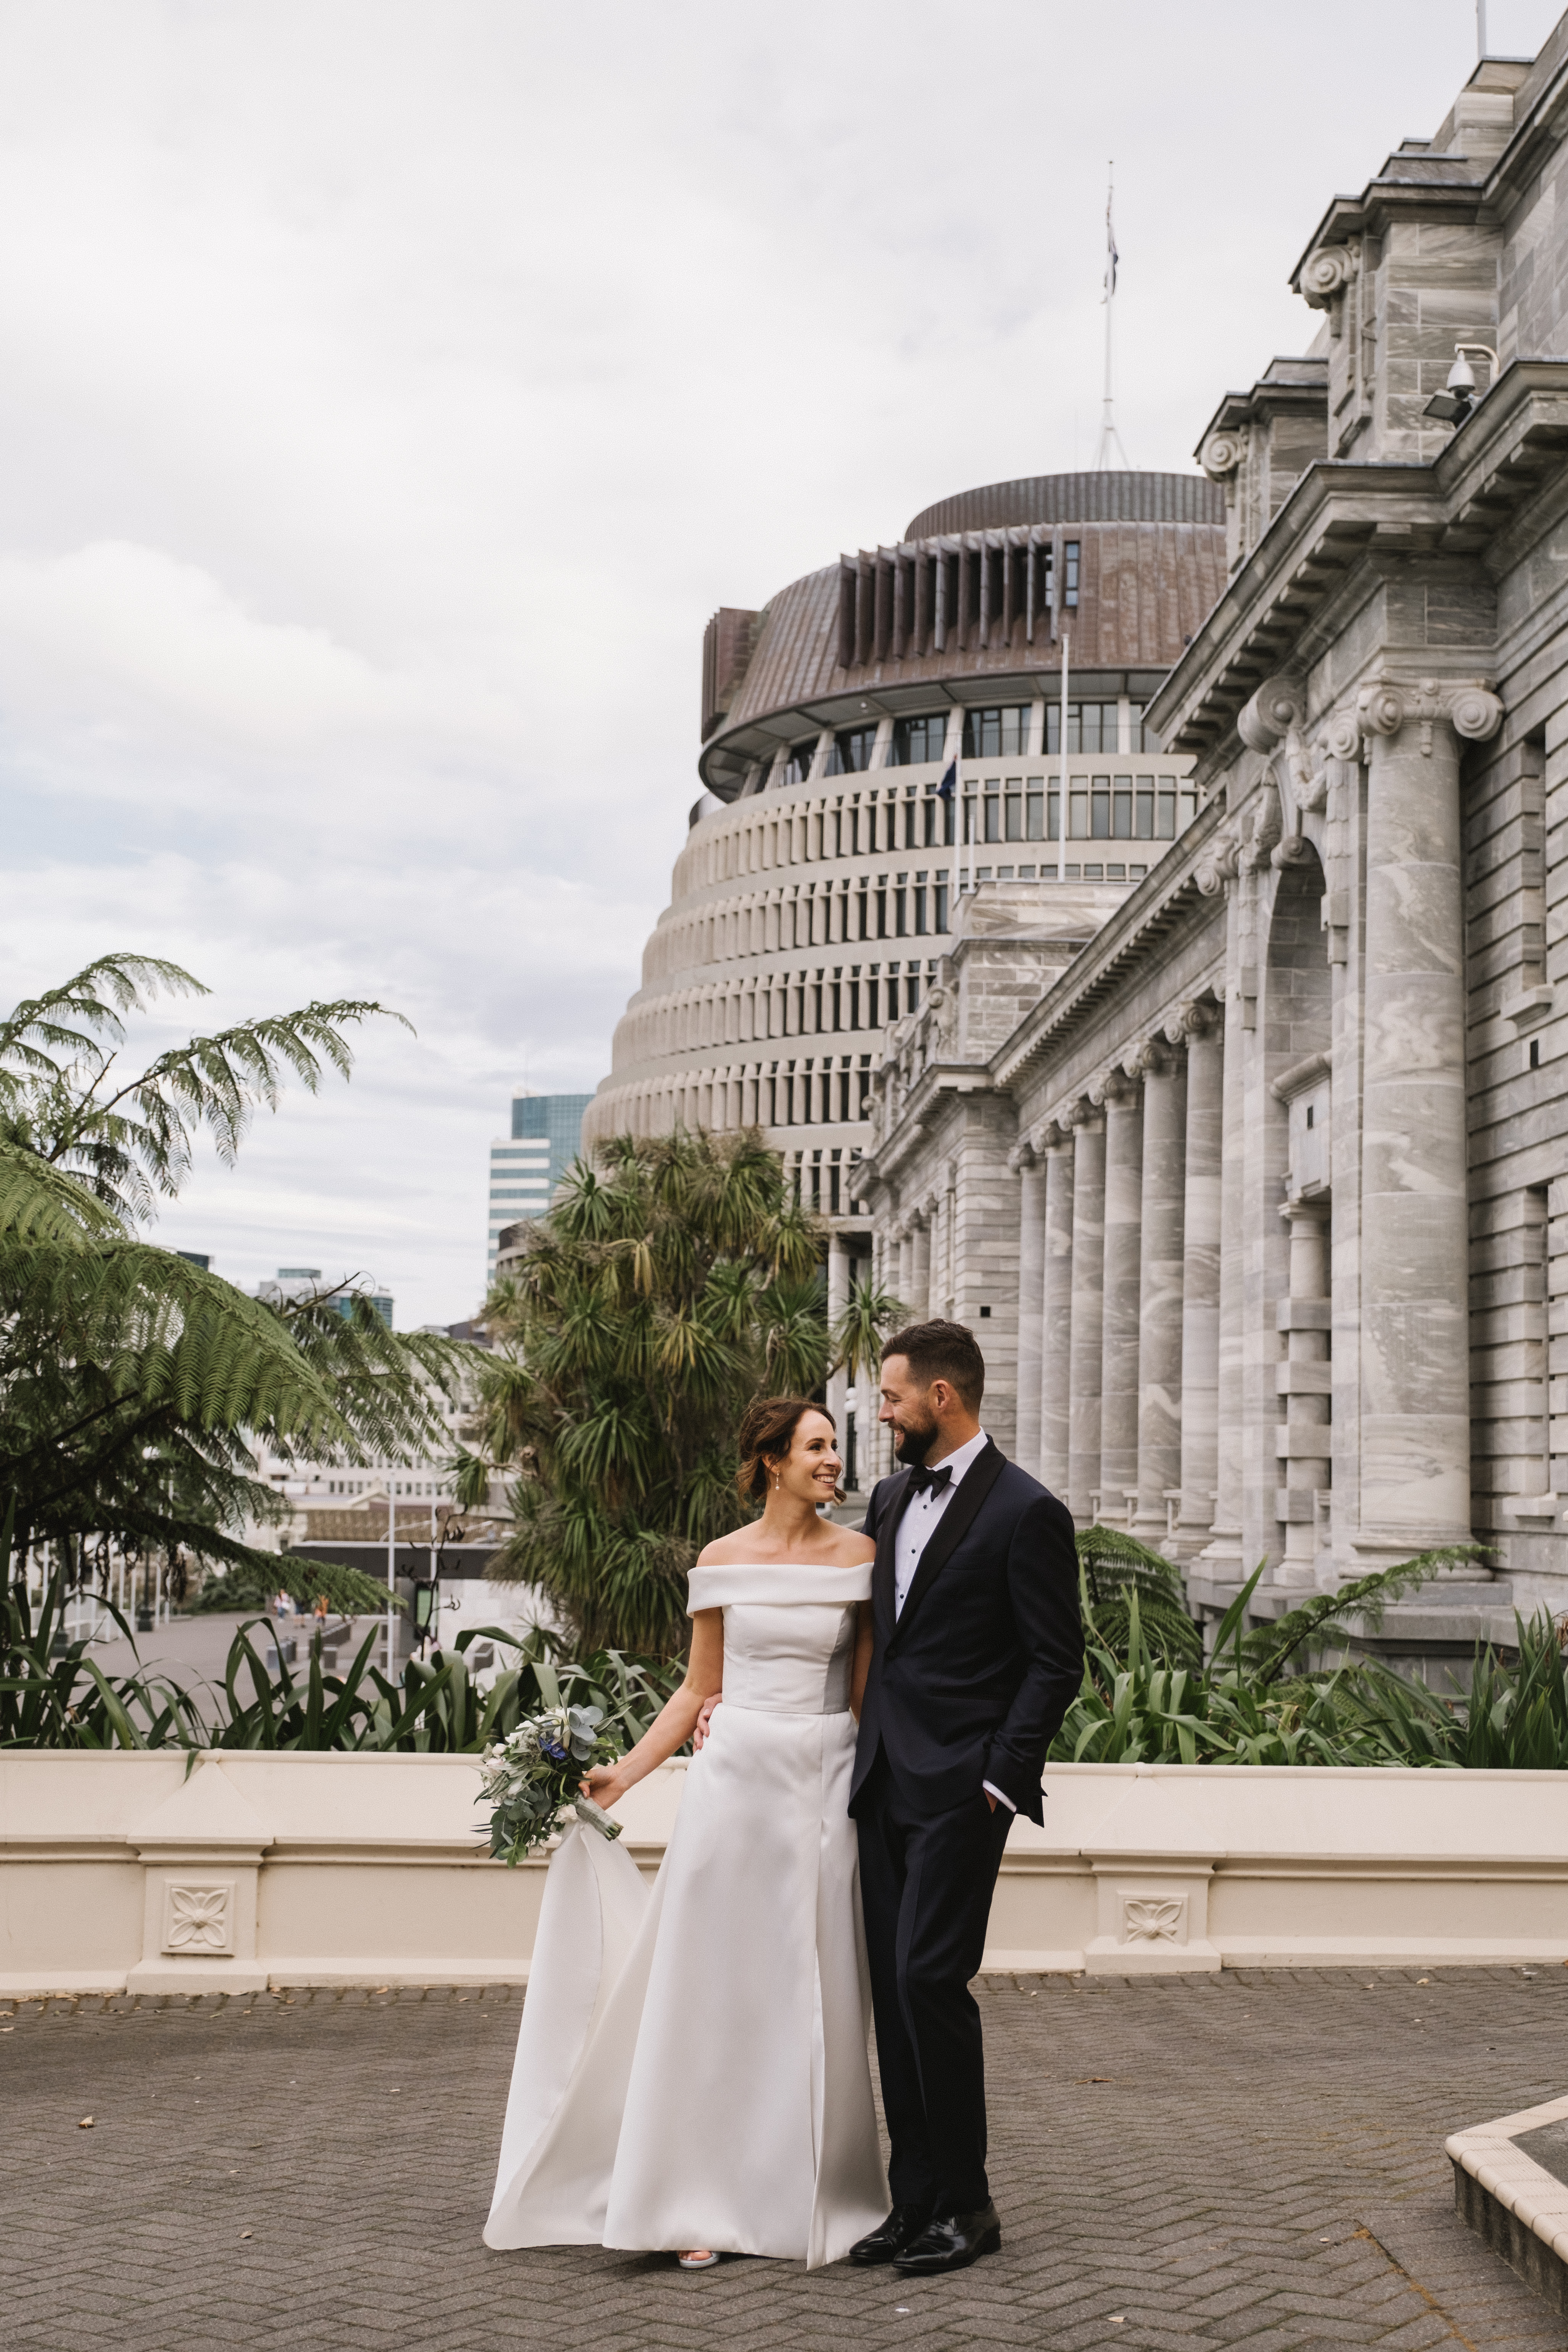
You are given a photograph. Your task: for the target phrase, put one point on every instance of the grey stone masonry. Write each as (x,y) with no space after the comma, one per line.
(1320,1319)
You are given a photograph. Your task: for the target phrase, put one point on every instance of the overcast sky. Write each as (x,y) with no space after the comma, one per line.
(389,392)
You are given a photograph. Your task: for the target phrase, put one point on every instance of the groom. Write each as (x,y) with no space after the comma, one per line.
(978,1655)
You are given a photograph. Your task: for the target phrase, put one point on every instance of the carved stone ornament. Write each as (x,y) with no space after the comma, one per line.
(1154,1919)
(1262,826)
(1326,273)
(1341,737)
(1154,1057)
(1279,705)
(1221,455)
(1388,705)
(1118,1084)
(199,1919)
(1199,1017)
(1220,864)
(1022,1156)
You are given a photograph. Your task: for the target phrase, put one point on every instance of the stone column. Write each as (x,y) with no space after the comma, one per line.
(1163,1208)
(837,1300)
(1088,1309)
(1118,1354)
(921,1280)
(1056,1319)
(1200,1275)
(1304,1440)
(1031,1282)
(1415,1337)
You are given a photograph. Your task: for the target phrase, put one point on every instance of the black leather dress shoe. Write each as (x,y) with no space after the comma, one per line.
(901,2227)
(950,2241)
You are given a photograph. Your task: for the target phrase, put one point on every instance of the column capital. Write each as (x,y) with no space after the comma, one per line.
(1051,1135)
(1155,1057)
(1199,1017)
(1085,1112)
(1221,455)
(1299,1211)
(1115,1086)
(1022,1156)
(1387,705)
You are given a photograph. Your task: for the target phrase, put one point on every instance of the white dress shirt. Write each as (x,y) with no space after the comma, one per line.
(915,1531)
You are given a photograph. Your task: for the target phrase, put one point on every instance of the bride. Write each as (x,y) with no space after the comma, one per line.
(691,2072)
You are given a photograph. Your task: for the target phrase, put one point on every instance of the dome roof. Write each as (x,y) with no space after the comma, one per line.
(1075,498)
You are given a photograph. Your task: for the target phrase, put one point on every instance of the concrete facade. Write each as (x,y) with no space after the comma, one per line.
(1294,1286)
(1011,636)
(137,1870)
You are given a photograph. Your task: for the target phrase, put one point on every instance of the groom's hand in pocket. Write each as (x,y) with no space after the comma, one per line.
(699,1738)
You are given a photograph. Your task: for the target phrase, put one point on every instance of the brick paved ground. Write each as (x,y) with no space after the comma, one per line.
(1250,2161)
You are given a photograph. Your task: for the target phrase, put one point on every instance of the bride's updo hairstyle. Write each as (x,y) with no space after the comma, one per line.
(767,1433)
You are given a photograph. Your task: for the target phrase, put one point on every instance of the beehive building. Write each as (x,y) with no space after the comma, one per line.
(824,875)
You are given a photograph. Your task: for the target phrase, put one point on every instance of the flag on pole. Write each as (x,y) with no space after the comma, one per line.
(945,789)
(1111,256)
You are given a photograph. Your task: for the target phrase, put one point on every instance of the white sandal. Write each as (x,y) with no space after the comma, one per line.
(694,2261)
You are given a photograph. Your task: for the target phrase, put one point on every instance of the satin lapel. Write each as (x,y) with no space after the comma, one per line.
(883,1579)
(951,1529)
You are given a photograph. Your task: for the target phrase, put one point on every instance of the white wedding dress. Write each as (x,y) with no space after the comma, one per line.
(692,2069)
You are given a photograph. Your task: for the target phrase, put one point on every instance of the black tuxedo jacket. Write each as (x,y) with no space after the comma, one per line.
(970,1683)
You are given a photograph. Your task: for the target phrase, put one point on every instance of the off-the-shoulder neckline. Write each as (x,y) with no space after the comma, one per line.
(838,1567)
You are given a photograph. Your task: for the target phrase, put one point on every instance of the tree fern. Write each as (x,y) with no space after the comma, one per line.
(1322,1620)
(1117,1574)
(134,1385)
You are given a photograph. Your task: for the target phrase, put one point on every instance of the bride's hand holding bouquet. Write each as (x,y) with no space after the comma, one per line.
(536,1774)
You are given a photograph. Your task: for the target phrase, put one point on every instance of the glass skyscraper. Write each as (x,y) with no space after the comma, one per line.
(546,1131)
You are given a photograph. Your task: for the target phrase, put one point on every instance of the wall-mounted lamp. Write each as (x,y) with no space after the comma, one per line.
(1454,403)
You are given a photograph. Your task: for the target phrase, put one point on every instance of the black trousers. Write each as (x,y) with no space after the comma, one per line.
(926,1882)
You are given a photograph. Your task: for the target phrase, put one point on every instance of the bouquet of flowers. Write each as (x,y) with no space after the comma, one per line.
(531,1777)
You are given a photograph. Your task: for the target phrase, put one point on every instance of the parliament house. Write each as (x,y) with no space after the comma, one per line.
(1203,1052)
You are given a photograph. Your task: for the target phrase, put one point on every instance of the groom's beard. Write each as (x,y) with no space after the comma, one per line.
(912,1446)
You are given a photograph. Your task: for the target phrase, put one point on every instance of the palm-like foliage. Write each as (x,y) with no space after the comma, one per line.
(1324,1622)
(129,1137)
(134,1384)
(857,1336)
(665,1289)
(1117,1574)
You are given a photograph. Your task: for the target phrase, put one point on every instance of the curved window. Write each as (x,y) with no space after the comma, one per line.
(851,753)
(797,767)
(917,740)
(996,734)
(1091,726)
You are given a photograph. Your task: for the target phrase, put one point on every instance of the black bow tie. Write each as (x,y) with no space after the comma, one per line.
(924,1481)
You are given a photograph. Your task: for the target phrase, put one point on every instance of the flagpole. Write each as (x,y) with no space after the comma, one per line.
(1062,835)
(1110,447)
